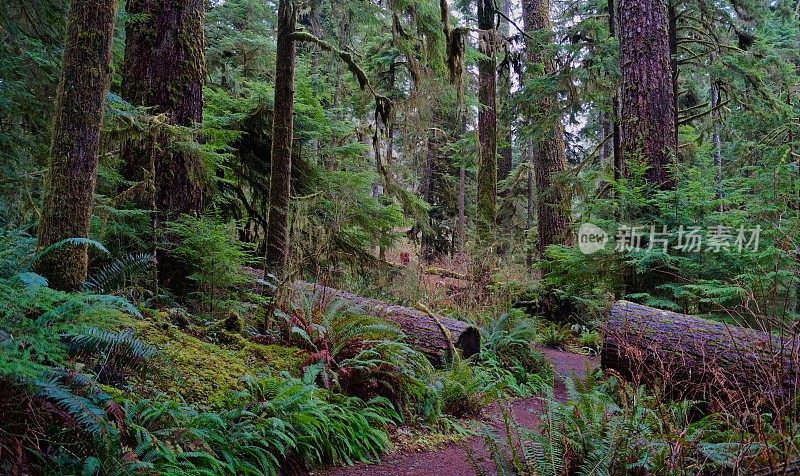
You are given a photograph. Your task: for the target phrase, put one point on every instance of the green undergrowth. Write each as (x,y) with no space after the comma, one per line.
(199,371)
(608,427)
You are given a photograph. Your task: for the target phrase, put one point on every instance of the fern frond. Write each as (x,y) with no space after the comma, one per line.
(115,275)
(71,242)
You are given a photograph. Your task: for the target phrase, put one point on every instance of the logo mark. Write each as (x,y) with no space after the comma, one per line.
(591,238)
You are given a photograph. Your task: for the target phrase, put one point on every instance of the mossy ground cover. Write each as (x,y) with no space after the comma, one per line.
(197,370)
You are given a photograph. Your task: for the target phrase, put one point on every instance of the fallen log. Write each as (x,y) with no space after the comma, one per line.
(436,337)
(446,273)
(698,359)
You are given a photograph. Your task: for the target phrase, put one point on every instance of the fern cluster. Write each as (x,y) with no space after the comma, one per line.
(508,357)
(276,422)
(609,428)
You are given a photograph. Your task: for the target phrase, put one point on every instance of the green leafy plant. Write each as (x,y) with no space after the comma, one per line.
(215,258)
(507,353)
(606,427)
(355,353)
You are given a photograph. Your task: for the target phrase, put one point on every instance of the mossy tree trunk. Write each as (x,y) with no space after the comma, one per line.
(282,136)
(549,161)
(164,69)
(505,156)
(487,126)
(70,184)
(647,96)
(720,364)
(426,242)
(553,204)
(616,107)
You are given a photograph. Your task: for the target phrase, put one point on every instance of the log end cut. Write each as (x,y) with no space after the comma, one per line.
(469,342)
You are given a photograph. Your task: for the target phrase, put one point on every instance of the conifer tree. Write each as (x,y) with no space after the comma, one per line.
(164,70)
(549,161)
(282,134)
(70,182)
(647,95)
(487,125)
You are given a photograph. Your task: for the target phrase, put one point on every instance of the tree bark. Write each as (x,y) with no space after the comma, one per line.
(553,204)
(530,205)
(164,70)
(70,183)
(461,220)
(716,136)
(694,358)
(434,336)
(426,242)
(672,27)
(616,106)
(282,137)
(505,155)
(487,126)
(647,96)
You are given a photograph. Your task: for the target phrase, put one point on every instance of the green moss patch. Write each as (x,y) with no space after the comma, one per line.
(203,372)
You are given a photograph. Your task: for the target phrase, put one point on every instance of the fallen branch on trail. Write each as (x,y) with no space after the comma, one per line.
(699,359)
(434,336)
(446,273)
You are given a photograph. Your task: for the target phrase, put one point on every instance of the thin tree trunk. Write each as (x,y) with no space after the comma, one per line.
(165,72)
(462,216)
(648,103)
(85,78)
(716,136)
(487,127)
(607,148)
(461,220)
(426,244)
(344,16)
(282,136)
(529,206)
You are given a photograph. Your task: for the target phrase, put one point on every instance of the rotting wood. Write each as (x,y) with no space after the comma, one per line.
(424,331)
(698,359)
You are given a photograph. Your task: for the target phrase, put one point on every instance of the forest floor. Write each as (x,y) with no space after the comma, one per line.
(451,459)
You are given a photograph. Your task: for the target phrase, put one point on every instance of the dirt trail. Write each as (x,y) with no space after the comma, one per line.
(451,460)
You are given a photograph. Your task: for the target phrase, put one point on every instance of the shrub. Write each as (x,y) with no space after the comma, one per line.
(216,259)
(610,428)
(507,353)
(357,354)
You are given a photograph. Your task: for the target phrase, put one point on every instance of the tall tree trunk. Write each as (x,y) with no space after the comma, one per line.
(282,137)
(426,243)
(461,220)
(85,78)
(648,103)
(553,207)
(553,204)
(672,22)
(530,205)
(505,154)
(164,69)
(487,127)
(461,224)
(616,107)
